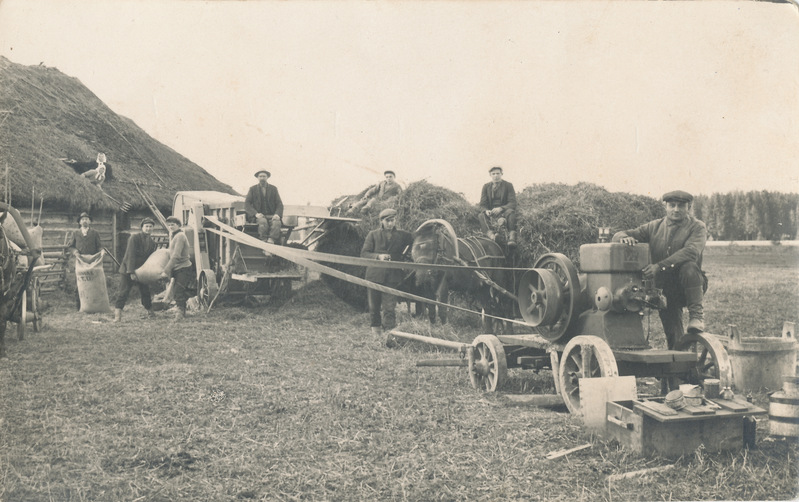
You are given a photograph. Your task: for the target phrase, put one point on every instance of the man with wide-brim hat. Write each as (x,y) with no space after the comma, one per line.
(386,243)
(140,247)
(264,207)
(381,192)
(676,243)
(498,200)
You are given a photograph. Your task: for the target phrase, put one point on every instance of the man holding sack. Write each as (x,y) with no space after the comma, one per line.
(140,247)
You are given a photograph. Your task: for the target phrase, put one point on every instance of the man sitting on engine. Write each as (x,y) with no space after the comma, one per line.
(498,200)
(676,243)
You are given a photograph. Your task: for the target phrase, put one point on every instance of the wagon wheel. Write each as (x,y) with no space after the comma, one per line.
(585,356)
(712,360)
(566,274)
(207,287)
(488,368)
(23,312)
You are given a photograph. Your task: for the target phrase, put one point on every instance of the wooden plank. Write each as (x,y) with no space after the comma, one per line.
(654,356)
(730,405)
(659,408)
(698,410)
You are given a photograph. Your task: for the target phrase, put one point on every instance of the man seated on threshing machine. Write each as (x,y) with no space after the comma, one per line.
(498,203)
(385,244)
(676,243)
(264,207)
(382,191)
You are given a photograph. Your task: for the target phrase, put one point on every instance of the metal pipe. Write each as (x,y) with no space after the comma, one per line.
(431,340)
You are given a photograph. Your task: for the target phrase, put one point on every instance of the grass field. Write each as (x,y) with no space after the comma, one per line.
(302,403)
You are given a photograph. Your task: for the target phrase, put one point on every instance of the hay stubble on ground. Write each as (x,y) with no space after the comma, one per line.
(301,402)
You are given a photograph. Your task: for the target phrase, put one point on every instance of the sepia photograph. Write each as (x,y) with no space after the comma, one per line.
(415,250)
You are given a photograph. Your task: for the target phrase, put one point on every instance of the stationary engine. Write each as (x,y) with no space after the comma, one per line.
(606,300)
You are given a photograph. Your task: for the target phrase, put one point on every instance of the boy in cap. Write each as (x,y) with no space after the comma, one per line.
(386,244)
(86,241)
(263,206)
(382,191)
(498,200)
(676,243)
(179,266)
(140,247)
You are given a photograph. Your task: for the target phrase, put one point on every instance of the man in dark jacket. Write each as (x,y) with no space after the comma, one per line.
(263,206)
(676,243)
(140,247)
(385,244)
(86,241)
(498,200)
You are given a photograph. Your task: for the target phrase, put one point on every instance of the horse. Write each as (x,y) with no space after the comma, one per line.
(14,275)
(435,243)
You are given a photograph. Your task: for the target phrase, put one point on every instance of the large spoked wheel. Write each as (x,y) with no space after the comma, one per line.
(712,360)
(584,356)
(207,288)
(569,287)
(488,368)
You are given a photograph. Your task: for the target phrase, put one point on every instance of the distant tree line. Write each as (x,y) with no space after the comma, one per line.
(759,215)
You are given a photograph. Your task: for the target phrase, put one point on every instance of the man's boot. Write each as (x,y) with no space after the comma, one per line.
(696,313)
(149,314)
(117,315)
(512,238)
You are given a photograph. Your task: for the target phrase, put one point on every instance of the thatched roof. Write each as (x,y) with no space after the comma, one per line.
(48,118)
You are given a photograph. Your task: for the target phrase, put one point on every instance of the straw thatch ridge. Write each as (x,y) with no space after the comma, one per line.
(48,118)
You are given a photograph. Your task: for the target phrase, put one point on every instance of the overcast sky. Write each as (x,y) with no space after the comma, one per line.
(636,96)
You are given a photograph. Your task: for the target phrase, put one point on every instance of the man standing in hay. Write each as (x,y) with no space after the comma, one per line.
(263,206)
(385,244)
(498,200)
(382,191)
(676,243)
(140,247)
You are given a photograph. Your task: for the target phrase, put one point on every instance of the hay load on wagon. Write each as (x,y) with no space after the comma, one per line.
(553,217)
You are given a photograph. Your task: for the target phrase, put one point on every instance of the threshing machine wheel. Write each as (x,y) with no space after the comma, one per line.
(488,368)
(712,360)
(207,287)
(566,274)
(585,356)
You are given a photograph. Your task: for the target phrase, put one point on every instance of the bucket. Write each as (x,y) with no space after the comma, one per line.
(783,410)
(762,361)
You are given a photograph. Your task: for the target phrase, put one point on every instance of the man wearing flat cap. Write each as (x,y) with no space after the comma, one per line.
(385,244)
(86,241)
(263,206)
(381,192)
(140,247)
(498,200)
(676,243)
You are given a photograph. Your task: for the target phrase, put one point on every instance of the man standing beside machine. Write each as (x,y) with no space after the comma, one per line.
(140,247)
(385,244)
(676,243)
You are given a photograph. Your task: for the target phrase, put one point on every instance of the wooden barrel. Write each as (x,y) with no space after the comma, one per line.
(783,412)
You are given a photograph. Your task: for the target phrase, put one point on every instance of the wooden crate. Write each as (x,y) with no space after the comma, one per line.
(647,429)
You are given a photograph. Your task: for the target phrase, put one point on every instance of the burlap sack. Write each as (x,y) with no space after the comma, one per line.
(12,232)
(150,271)
(36,234)
(92,290)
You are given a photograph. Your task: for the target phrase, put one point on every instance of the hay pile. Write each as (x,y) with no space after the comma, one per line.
(552,218)
(556,217)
